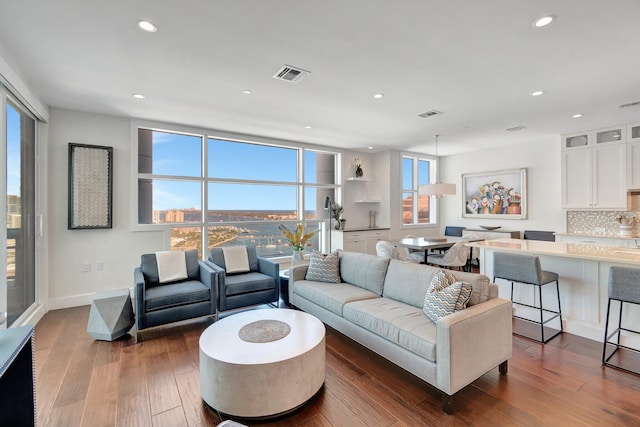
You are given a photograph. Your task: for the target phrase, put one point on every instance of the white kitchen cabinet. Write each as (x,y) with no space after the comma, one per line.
(633,132)
(633,164)
(363,241)
(594,176)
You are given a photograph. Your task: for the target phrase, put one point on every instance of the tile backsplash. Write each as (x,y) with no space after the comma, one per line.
(599,222)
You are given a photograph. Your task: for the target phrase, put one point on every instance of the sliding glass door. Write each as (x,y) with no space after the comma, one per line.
(19,193)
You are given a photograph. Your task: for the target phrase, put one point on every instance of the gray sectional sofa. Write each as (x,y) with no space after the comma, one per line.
(379,304)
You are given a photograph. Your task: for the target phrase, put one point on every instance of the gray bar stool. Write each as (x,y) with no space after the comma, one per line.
(624,286)
(526,269)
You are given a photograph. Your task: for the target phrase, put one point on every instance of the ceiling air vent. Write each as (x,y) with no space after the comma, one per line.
(629,104)
(515,128)
(290,74)
(429,113)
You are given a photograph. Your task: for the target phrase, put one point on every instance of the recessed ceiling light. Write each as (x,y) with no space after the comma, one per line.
(138,96)
(378,95)
(577,116)
(543,21)
(246,92)
(308,127)
(537,93)
(369,148)
(147,26)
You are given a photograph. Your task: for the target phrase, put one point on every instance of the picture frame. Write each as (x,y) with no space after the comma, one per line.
(90,186)
(497,195)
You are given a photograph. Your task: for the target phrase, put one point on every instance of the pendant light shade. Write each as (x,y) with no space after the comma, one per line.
(438,189)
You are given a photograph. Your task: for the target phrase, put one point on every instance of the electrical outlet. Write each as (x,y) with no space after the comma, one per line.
(86,267)
(99,265)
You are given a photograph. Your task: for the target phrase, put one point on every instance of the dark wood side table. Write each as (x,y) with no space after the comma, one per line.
(284,285)
(17,381)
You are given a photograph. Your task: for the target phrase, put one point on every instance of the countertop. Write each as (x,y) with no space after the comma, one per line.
(599,236)
(364,229)
(562,249)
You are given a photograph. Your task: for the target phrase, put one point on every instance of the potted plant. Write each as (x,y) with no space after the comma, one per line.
(337,215)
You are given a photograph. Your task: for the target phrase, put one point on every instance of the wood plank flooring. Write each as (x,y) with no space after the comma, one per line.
(84,382)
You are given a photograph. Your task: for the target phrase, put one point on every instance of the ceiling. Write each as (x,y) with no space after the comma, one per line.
(476,61)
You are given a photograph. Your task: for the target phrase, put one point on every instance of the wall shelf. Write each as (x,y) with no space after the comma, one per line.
(367,201)
(354,178)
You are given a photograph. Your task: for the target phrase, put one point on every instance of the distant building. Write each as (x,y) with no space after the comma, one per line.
(14,211)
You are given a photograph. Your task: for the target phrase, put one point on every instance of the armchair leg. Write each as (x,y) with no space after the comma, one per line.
(502,368)
(447,404)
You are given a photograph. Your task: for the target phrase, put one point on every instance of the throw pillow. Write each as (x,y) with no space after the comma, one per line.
(236,259)
(172,266)
(323,268)
(445,296)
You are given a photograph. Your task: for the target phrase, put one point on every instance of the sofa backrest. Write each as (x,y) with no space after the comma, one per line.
(217,257)
(149,267)
(363,270)
(408,283)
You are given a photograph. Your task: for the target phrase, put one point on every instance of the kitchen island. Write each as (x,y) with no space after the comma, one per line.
(584,275)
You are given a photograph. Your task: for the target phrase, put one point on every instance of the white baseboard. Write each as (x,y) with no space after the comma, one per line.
(74,301)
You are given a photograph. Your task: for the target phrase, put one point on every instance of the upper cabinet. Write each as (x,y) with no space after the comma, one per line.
(594,169)
(633,156)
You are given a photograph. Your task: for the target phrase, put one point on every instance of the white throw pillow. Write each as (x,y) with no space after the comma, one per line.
(236,259)
(172,266)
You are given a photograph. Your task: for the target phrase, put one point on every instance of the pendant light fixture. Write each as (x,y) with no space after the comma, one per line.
(438,189)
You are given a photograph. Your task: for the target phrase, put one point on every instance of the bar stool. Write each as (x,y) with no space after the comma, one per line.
(526,269)
(623,287)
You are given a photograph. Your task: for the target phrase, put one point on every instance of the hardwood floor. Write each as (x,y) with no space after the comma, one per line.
(83,382)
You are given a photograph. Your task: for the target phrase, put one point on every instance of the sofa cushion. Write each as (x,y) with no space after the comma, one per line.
(480,284)
(323,268)
(408,282)
(331,296)
(248,282)
(400,323)
(445,296)
(363,270)
(187,292)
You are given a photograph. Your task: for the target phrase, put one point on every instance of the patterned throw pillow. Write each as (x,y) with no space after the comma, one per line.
(323,268)
(445,295)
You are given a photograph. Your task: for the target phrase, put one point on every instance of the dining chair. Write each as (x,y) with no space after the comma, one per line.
(455,257)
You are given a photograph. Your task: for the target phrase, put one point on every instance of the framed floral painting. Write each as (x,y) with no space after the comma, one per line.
(500,194)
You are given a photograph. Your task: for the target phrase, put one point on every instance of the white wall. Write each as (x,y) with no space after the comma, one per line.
(542,160)
(118,248)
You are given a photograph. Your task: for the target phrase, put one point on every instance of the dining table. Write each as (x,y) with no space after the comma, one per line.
(435,242)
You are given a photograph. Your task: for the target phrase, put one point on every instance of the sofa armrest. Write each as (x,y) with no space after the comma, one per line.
(296,272)
(221,275)
(269,268)
(471,342)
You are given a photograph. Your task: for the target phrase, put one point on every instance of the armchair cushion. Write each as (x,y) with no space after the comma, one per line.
(175,294)
(249,282)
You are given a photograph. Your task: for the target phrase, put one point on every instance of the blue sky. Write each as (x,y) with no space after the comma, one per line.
(13,151)
(180,155)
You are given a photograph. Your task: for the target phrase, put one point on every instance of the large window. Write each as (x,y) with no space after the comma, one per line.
(416,208)
(20,212)
(215,192)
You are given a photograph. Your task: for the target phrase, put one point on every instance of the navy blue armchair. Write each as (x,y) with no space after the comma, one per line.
(161,303)
(260,285)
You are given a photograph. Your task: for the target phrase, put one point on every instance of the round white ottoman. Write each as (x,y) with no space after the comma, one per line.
(262,363)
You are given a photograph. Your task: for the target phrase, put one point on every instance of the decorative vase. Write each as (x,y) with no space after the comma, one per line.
(343,222)
(626,230)
(298,257)
(359,172)
(336,224)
